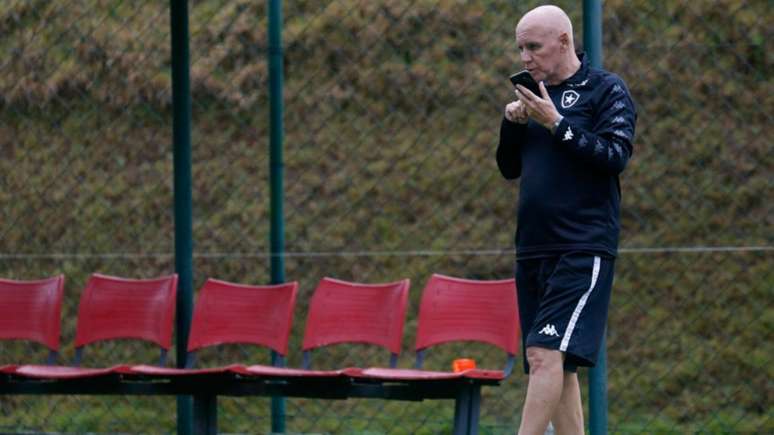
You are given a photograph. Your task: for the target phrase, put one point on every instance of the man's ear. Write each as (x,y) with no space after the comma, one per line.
(564,41)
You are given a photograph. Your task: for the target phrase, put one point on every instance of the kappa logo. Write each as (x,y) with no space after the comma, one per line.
(598,147)
(569,98)
(549,329)
(568,134)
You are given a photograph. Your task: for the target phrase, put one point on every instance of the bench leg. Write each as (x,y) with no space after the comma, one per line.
(475,409)
(462,411)
(205,410)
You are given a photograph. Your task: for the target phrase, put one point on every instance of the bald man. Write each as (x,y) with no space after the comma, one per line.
(568,146)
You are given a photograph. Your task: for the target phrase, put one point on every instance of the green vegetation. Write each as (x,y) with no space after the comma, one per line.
(392,116)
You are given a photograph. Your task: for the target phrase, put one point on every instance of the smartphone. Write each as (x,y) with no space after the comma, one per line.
(525,79)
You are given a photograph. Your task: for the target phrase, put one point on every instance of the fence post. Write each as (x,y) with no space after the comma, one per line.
(181,134)
(276,173)
(592,43)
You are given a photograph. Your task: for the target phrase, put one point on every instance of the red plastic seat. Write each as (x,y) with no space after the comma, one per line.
(30,310)
(423,375)
(456,309)
(236,313)
(347,312)
(117,308)
(8,368)
(69,372)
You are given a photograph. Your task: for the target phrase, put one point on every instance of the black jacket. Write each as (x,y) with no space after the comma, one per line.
(570,195)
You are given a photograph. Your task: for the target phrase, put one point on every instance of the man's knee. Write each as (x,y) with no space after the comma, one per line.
(542,359)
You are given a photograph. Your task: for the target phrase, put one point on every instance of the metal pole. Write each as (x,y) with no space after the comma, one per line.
(592,31)
(276,173)
(598,393)
(592,43)
(181,133)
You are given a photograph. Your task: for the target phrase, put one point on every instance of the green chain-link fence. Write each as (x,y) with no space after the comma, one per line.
(392,116)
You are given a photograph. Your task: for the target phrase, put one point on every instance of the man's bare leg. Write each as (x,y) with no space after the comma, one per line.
(568,416)
(546,379)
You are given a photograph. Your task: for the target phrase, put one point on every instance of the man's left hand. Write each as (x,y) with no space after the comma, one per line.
(541,110)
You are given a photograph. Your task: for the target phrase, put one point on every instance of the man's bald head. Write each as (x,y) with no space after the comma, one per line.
(545,41)
(550,19)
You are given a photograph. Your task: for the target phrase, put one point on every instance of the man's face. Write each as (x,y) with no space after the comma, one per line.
(540,51)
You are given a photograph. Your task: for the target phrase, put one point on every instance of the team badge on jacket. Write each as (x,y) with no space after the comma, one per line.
(569,98)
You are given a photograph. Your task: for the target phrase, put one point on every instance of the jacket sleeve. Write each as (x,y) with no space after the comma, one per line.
(508,152)
(609,145)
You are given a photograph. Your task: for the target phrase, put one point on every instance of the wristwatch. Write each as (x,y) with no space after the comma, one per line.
(556,123)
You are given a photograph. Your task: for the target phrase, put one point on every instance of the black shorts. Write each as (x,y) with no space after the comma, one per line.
(563,303)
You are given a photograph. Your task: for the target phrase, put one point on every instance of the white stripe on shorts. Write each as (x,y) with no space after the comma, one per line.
(579,307)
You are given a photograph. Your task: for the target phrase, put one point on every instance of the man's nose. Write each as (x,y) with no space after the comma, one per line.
(525,57)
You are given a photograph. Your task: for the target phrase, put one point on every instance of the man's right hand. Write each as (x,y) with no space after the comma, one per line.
(516,112)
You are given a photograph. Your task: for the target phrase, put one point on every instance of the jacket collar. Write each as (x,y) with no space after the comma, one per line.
(580,76)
